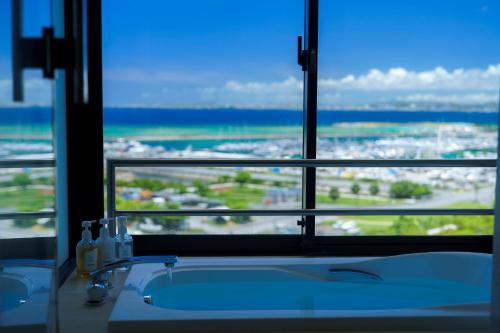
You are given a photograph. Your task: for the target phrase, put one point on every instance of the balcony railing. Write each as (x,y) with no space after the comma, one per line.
(112,164)
(33,164)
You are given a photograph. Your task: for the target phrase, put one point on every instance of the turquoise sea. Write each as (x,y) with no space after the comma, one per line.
(204,128)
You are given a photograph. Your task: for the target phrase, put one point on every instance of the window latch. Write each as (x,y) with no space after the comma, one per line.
(307,59)
(46,52)
(302,224)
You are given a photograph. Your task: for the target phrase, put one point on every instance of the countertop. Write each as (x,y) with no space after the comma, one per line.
(77,317)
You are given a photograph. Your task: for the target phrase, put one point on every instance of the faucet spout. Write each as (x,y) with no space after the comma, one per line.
(168,261)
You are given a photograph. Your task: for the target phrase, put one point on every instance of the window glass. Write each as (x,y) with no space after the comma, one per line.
(415,79)
(193,78)
(198,79)
(25,131)
(223,188)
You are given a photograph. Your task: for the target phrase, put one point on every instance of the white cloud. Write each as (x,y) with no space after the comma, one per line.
(286,93)
(394,79)
(479,98)
(37,91)
(439,85)
(399,78)
(291,84)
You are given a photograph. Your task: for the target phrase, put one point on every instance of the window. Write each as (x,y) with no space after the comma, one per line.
(409,80)
(27,192)
(211,128)
(215,80)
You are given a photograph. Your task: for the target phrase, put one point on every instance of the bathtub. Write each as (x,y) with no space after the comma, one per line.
(25,294)
(415,292)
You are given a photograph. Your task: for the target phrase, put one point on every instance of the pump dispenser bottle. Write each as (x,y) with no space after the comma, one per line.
(105,245)
(123,241)
(86,252)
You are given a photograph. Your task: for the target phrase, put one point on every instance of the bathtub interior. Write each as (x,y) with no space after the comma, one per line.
(410,281)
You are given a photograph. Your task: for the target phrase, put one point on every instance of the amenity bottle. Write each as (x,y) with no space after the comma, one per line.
(105,245)
(123,241)
(86,252)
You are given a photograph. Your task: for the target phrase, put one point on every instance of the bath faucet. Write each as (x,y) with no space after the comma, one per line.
(97,288)
(27,263)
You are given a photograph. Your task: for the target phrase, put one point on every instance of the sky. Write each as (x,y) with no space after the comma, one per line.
(227,53)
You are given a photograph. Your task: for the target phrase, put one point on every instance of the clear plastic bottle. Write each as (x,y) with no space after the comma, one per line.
(123,241)
(86,252)
(105,245)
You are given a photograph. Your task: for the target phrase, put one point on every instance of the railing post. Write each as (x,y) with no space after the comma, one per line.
(110,192)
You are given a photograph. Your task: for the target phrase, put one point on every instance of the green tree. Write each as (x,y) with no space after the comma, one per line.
(242,219)
(223,179)
(171,223)
(420,191)
(242,177)
(201,187)
(405,189)
(334,193)
(401,190)
(21,179)
(25,223)
(355,188)
(374,189)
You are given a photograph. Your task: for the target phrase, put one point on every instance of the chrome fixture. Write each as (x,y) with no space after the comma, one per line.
(97,288)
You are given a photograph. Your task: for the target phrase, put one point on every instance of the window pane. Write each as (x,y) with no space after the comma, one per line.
(208,188)
(202,79)
(175,188)
(27,228)
(450,225)
(408,79)
(25,131)
(411,188)
(26,190)
(214,225)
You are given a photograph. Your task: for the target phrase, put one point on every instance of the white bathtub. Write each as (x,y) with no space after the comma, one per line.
(26,294)
(418,292)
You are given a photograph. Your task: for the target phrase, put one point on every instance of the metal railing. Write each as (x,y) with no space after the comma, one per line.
(112,164)
(34,164)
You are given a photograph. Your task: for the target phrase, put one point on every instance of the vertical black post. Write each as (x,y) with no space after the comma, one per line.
(95,101)
(84,120)
(310,112)
(17,70)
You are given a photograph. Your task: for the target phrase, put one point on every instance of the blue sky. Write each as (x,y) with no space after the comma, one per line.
(243,53)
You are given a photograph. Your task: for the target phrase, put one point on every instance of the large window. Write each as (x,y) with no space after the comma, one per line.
(384,82)
(26,139)
(198,79)
(408,80)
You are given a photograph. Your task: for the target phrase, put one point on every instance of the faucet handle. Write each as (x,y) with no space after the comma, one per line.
(96,293)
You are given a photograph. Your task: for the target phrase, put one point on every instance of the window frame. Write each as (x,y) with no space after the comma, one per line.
(256,245)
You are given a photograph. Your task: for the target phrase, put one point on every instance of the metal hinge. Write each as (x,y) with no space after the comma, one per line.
(307,59)
(46,53)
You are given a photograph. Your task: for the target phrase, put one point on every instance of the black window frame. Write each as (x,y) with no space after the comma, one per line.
(86,178)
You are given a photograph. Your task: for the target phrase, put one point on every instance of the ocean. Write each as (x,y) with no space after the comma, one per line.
(205,128)
(247,117)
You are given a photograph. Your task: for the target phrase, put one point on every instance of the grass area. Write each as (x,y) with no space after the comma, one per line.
(419,225)
(468,205)
(26,200)
(239,197)
(349,201)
